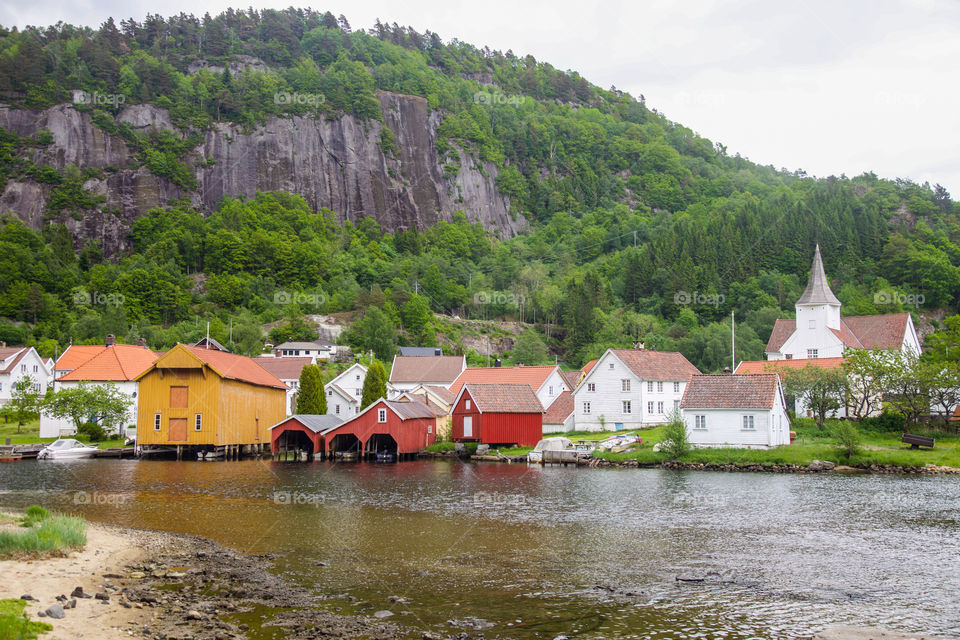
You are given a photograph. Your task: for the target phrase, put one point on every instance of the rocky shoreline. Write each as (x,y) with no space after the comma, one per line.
(816,466)
(189,588)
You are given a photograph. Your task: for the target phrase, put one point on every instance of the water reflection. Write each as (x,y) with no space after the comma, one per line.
(543,551)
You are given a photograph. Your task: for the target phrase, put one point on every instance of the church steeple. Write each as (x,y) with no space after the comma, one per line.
(818,289)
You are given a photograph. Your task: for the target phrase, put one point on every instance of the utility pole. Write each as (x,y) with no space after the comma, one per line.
(733,341)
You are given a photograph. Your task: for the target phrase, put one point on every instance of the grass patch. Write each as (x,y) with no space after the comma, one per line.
(511,451)
(30,434)
(43,534)
(448,447)
(16,625)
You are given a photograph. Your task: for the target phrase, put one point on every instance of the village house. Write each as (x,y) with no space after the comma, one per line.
(386,427)
(115,364)
(439,399)
(740,411)
(317,350)
(631,389)
(559,417)
(288,370)
(548,381)
(194,399)
(498,414)
(17,363)
(345,391)
(819,330)
(409,372)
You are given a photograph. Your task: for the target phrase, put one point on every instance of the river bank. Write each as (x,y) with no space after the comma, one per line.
(129,582)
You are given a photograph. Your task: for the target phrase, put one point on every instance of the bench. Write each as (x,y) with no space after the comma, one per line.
(916,442)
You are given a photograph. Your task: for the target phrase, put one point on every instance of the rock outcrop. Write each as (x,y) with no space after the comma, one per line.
(337,164)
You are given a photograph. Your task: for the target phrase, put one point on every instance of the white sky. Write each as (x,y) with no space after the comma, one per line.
(827,86)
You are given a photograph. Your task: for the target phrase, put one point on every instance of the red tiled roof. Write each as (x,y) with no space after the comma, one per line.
(442,369)
(656,365)
(532,376)
(783,328)
(120,362)
(77,354)
(730,391)
(572,377)
(590,365)
(283,368)
(560,410)
(847,336)
(753,367)
(504,398)
(879,332)
(16,353)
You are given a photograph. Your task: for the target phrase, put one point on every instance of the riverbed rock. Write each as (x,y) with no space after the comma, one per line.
(383,614)
(194,615)
(56,612)
(102,595)
(28,597)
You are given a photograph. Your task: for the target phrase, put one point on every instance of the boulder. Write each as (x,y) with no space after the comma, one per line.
(56,612)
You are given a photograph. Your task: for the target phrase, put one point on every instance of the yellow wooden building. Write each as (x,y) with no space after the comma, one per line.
(200,400)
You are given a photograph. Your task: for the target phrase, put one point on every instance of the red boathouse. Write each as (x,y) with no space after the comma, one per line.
(507,414)
(385,427)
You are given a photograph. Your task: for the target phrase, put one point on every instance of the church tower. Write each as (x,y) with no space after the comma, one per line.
(818,308)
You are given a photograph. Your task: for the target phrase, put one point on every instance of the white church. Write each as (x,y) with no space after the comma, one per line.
(819,331)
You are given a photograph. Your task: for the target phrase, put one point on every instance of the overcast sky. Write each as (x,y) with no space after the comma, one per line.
(827,86)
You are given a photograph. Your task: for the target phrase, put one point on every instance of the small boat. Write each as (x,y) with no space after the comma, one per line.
(10,457)
(67,449)
(346,456)
(556,443)
(386,457)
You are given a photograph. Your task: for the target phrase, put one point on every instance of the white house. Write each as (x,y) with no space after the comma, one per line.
(117,364)
(17,363)
(547,381)
(288,370)
(819,330)
(345,391)
(739,411)
(317,350)
(630,389)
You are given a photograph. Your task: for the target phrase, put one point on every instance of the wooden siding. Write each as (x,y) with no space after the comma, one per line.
(411,435)
(523,429)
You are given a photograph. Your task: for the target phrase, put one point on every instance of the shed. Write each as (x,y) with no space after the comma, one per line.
(740,411)
(385,427)
(302,431)
(498,414)
(198,399)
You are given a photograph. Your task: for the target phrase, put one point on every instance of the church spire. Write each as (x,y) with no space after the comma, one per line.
(818,289)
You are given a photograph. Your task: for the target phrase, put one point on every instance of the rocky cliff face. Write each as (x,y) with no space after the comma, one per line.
(337,164)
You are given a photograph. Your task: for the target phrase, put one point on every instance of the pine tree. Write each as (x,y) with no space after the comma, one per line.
(374,385)
(311,398)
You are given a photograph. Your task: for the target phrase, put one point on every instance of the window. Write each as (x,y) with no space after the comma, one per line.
(329,392)
(550,390)
(676,406)
(811,353)
(748,423)
(358,376)
(650,407)
(625,385)
(789,356)
(611,366)
(586,407)
(23,368)
(156,422)
(197,422)
(659,387)
(35,368)
(429,429)
(466,405)
(36,387)
(356,391)
(337,409)
(660,407)
(813,323)
(649,387)
(626,406)
(699,422)
(676,387)
(591,387)
(381,415)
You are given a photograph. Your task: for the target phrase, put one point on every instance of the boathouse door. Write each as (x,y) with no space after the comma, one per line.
(467,426)
(178,429)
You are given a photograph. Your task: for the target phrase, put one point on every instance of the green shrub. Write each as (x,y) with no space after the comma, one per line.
(34,515)
(14,623)
(676,441)
(55,534)
(93,431)
(847,437)
(886,422)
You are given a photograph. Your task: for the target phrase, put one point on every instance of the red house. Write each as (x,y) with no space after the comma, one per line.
(498,414)
(385,427)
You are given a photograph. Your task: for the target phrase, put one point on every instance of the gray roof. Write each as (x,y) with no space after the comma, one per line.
(299,345)
(211,342)
(421,351)
(315,422)
(818,289)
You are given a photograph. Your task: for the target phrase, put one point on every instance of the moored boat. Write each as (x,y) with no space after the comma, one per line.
(67,449)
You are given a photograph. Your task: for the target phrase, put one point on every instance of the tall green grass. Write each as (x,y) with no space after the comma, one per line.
(44,534)
(14,623)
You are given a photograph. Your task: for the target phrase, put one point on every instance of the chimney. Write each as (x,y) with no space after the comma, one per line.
(3,345)
(142,342)
(638,345)
(497,362)
(727,372)
(111,340)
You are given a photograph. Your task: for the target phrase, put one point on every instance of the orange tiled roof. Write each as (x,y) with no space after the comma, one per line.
(119,362)
(77,354)
(532,376)
(656,365)
(590,365)
(753,367)
(504,398)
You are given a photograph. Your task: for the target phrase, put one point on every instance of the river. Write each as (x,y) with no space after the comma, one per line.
(531,552)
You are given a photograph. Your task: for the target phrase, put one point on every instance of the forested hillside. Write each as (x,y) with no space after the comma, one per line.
(637,227)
